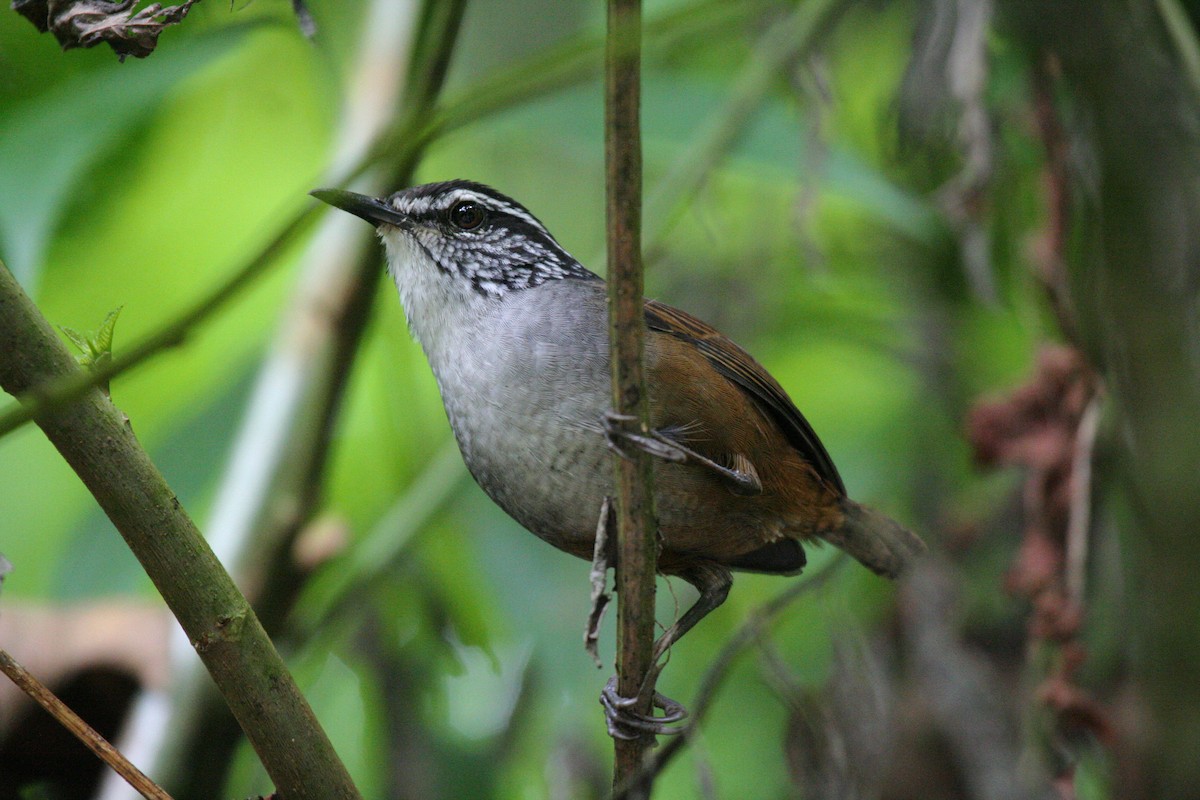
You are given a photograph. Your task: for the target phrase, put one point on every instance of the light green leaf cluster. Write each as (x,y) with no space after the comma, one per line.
(95,347)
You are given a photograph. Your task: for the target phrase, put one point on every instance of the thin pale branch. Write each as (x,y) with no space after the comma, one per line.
(1079,524)
(274,482)
(85,733)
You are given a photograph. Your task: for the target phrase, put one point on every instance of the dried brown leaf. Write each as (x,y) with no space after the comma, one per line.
(87,23)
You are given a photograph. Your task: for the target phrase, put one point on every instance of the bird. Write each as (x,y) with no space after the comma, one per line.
(515,330)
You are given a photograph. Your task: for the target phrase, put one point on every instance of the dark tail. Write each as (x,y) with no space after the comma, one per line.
(878,543)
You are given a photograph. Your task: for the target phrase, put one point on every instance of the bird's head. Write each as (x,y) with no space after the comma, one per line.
(465,233)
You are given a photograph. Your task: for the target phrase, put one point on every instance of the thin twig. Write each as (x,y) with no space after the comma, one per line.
(963,691)
(46,398)
(781,44)
(574,61)
(1182,33)
(599,580)
(80,729)
(376,555)
(963,198)
(750,631)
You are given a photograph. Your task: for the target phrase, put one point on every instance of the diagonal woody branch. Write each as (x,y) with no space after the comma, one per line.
(95,438)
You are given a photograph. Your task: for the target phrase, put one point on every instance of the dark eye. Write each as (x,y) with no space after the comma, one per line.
(466,215)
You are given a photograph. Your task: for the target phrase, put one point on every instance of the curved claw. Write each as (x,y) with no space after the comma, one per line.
(623,429)
(624,723)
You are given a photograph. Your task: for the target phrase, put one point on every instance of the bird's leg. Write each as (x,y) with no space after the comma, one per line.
(712,581)
(599,578)
(618,428)
(616,708)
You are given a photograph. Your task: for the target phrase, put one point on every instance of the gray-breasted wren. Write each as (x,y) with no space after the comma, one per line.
(516,331)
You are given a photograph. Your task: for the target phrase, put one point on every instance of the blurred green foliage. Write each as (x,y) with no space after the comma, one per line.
(817,243)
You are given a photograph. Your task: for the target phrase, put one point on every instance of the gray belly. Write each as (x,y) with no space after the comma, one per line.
(525,398)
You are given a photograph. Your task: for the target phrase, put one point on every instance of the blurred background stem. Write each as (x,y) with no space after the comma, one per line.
(1134,284)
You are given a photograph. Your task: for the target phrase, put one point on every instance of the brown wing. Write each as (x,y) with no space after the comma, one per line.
(740,367)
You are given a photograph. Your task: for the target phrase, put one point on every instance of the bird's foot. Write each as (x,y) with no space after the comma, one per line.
(624,429)
(621,429)
(625,723)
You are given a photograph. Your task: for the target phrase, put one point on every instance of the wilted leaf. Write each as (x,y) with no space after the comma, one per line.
(1035,427)
(87,23)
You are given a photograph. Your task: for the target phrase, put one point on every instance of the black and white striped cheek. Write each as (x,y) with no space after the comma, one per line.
(507,250)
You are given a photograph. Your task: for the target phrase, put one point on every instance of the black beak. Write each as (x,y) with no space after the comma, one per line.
(374,211)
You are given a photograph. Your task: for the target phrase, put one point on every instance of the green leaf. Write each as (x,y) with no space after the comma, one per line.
(104,335)
(78,339)
(95,347)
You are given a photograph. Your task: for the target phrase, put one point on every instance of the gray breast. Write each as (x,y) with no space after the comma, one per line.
(525,398)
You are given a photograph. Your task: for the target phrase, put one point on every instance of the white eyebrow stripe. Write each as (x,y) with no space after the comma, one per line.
(412,205)
(437,203)
(494,204)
